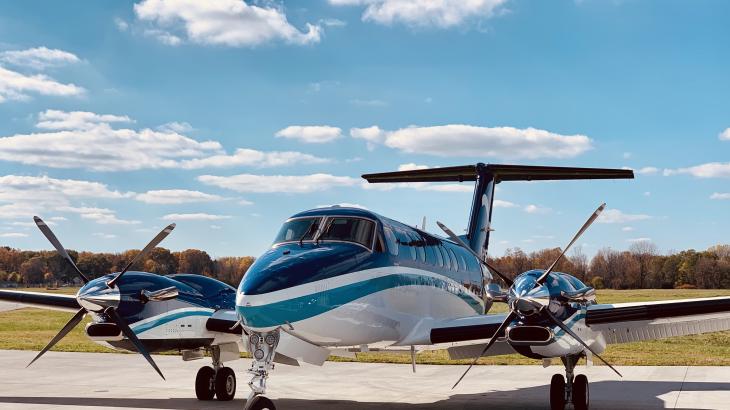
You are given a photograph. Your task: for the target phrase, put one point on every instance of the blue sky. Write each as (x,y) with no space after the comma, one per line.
(227,117)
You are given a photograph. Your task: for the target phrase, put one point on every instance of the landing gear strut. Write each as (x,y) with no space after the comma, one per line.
(217,381)
(569,389)
(262,347)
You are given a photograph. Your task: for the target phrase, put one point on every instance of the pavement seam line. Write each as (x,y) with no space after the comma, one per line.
(681,387)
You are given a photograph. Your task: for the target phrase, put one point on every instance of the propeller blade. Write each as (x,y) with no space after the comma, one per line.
(500,329)
(57,244)
(575,336)
(129,333)
(154,242)
(67,328)
(585,227)
(461,243)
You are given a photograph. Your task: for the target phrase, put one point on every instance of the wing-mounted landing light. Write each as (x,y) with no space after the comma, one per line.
(534,302)
(104,297)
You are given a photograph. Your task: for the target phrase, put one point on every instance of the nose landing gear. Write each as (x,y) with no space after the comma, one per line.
(569,388)
(217,381)
(262,347)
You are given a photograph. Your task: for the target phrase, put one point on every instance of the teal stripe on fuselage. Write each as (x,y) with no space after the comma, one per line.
(166,319)
(305,307)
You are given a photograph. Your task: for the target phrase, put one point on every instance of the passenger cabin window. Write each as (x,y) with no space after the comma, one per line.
(391,241)
(418,244)
(454,263)
(298,229)
(347,229)
(439,257)
(447,262)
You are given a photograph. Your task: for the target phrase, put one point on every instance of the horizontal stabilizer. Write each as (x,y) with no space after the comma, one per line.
(500,172)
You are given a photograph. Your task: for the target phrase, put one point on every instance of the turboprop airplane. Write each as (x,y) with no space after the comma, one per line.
(342,280)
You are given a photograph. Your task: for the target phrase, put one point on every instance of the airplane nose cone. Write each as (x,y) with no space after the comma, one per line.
(525,307)
(98,296)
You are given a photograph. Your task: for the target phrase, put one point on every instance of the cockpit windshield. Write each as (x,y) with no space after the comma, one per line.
(349,229)
(298,229)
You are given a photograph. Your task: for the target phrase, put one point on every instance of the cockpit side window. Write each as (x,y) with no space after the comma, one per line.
(349,229)
(298,229)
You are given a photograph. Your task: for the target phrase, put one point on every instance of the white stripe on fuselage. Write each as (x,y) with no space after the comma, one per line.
(339,281)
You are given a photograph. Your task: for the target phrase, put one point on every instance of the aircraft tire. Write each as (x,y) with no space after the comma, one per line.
(262,403)
(581,397)
(204,381)
(557,392)
(225,384)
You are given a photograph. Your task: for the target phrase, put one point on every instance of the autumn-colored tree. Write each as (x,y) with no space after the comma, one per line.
(194,261)
(32,270)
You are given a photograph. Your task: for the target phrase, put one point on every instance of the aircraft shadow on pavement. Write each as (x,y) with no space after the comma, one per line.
(606,395)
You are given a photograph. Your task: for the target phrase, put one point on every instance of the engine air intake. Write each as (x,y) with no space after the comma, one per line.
(529,335)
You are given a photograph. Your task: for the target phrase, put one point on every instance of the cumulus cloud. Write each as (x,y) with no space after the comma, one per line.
(174,126)
(458,140)
(38,58)
(627,229)
(176,196)
(13,235)
(615,216)
(425,13)
(232,23)
(534,209)
(635,240)
(725,135)
(18,87)
(194,217)
(278,183)
(22,197)
(419,186)
(709,170)
(315,134)
(648,170)
(498,203)
(718,195)
(94,141)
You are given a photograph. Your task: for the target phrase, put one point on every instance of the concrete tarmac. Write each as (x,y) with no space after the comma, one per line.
(124,381)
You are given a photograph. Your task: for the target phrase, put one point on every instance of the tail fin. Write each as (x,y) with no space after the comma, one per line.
(486,177)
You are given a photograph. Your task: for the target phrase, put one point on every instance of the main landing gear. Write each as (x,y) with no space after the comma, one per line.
(569,389)
(262,347)
(217,381)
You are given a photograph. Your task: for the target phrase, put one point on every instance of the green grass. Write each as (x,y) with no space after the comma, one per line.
(31,329)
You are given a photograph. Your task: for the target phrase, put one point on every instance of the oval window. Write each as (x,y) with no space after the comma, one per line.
(391,241)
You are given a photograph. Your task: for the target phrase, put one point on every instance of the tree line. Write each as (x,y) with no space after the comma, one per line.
(33,268)
(639,267)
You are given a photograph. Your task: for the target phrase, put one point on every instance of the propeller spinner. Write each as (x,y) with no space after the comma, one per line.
(98,296)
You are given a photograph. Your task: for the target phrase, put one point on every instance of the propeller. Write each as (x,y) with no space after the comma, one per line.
(539,282)
(461,243)
(584,228)
(101,298)
(510,317)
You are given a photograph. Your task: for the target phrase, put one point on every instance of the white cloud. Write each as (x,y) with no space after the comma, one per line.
(333,23)
(163,37)
(17,86)
(457,140)
(718,195)
(411,166)
(104,235)
(426,13)
(534,209)
(194,217)
(232,23)
(103,216)
(121,24)
(615,216)
(178,127)
(725,135)
(250,157)
(647,193)
(88,140)
(709,170)
(626,155)
(628,229)
(278,183)
(38,58)
(634,240)
(314,134)
(176,196)
(13,235)
(648,170)
(498,203)
(76,120)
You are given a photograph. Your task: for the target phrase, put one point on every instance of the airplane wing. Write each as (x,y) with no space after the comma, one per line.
(633,322)
(53,301)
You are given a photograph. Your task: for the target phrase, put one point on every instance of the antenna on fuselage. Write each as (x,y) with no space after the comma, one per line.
(423,223)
